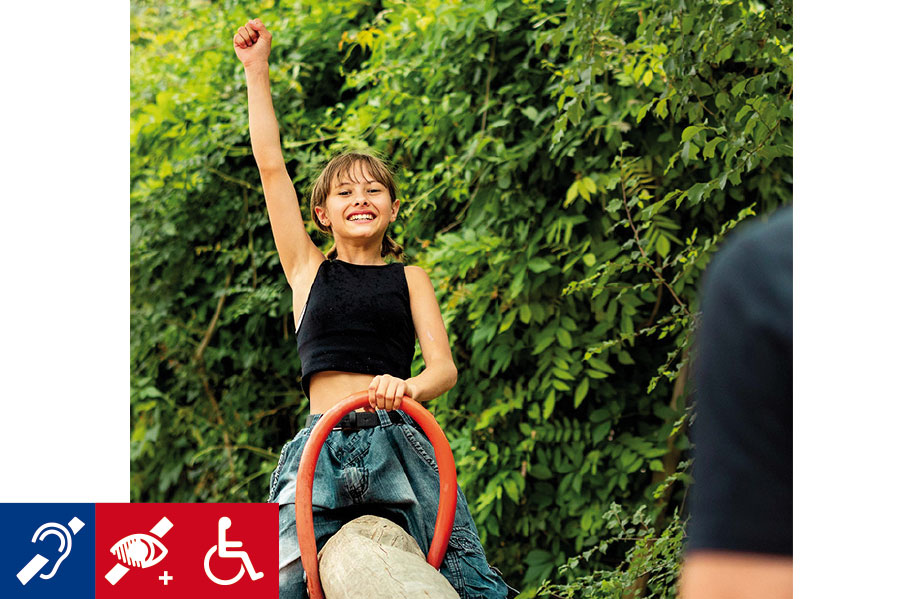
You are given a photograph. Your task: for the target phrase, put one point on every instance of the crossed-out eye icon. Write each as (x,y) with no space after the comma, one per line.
(139,551)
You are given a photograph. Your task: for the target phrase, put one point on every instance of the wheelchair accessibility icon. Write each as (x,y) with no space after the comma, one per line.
(225,550)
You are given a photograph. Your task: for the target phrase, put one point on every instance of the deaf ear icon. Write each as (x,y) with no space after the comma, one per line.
(65,546)
(65,543)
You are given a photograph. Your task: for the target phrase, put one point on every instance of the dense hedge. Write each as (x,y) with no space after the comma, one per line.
(566,171)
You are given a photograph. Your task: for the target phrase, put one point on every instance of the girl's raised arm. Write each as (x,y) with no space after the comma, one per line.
(299,255)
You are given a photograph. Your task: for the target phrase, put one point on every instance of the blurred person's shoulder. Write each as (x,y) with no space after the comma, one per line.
(753,273)
(762,249)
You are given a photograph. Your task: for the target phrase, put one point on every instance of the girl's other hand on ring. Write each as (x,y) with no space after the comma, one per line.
(386,392)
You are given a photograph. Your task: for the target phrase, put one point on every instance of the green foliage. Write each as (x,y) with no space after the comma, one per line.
(566,171)
(650,568)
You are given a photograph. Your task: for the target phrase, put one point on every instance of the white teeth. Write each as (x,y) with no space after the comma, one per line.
(362,217)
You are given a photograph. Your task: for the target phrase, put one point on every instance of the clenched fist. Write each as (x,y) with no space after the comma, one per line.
(252,43)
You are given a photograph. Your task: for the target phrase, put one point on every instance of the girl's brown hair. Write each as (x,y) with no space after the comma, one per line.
(343,165)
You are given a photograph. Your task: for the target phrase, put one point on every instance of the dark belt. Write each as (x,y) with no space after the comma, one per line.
(355,421)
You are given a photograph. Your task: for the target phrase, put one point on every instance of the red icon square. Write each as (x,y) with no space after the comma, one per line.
(153,550)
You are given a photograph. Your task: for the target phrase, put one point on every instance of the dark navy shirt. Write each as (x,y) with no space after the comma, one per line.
(742,497)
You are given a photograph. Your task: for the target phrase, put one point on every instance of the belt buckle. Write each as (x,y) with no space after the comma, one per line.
(350,424)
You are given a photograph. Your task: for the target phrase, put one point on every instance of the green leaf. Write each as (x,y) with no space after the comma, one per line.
(725,53)
(575,111)
(743,112)
(662,246)
(560,385)
(571,193)
(695,193)
(583,190)
(702,88)
(627,458)
(625,358)
(490,17)
(738,88)
(549,403)
(525,313)
(563,373)
(642,112)
(722,101)
(539,265)
(540,472)
(537,557)
(627,324)
(661,109)
(581,391)
(512,490)
(544,341)
(709,150)
(507,320)
(689,132)
(559,127)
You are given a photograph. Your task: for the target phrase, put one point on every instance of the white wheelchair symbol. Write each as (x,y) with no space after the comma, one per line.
(224,549)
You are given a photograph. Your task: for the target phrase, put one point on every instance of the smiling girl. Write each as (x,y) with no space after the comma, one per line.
(357,319)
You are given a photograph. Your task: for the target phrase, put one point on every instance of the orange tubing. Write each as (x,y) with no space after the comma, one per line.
(307,471)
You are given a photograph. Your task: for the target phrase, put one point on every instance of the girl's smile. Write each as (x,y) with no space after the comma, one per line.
(361,216)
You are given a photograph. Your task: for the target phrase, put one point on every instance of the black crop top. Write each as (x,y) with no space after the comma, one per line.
(357,319)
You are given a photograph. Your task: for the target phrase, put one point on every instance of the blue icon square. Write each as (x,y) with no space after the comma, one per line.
(47,550)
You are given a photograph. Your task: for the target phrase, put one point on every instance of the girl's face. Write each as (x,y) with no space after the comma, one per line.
(358,206)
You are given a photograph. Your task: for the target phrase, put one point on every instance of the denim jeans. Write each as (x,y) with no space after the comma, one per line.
(388,471)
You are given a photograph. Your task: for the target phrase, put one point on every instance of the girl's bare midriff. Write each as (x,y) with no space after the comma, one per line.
(329,387)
